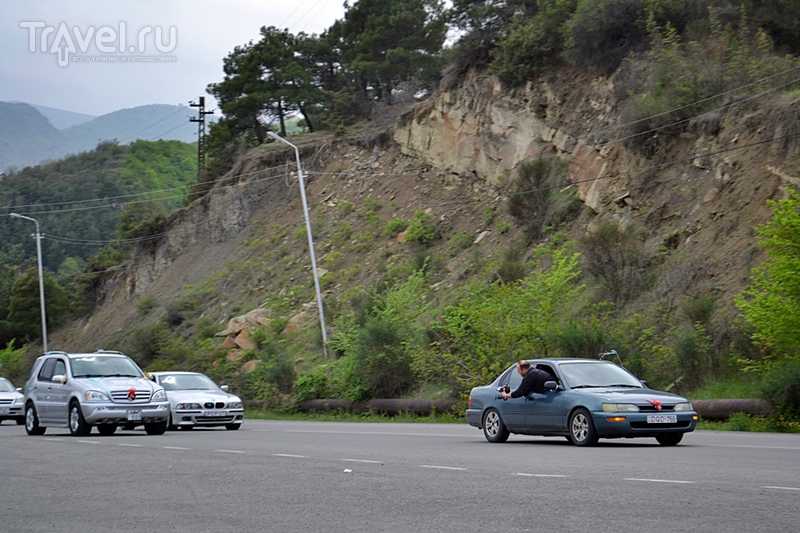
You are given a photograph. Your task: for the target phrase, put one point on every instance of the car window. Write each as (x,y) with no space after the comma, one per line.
(47,370)
(60,368)
(6,386)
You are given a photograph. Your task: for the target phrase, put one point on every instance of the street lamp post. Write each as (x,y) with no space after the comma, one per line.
(41,278)
(310,240)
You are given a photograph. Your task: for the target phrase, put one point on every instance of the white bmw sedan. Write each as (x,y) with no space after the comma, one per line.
(196,401)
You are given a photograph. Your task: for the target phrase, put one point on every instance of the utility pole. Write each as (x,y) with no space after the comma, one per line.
(201,133)
(41,276)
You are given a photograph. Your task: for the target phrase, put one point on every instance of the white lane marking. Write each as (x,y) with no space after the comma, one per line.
(441,467)
(659,480)
(782,488)
(175,448)
(539,475)
(753,446)
(230,451)
(130,445)
(362,461)
(90,441)
(289,455)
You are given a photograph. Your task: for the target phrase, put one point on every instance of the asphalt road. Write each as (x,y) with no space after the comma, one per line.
(350,477)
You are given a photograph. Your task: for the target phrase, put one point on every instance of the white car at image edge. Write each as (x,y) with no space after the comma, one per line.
(11,402)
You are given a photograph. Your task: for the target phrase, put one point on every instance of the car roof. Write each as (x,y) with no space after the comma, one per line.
(105,353)
(569,360)
(176,372)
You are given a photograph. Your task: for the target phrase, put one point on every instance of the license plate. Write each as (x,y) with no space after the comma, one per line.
(214,413)
(134,415)
(662,419)
(4,410)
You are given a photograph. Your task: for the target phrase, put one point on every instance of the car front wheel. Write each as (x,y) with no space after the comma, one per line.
(77,424)
(581,428)
(493,427)
(32,421)
(669,439)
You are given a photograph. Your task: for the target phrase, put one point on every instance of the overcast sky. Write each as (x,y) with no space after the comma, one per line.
(80,67)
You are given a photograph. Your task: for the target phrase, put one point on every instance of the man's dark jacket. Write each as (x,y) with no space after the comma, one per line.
(532,381)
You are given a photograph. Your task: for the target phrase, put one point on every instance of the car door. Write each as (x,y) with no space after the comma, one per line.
(60,392)
(544,411)
(512,410)
(43,391)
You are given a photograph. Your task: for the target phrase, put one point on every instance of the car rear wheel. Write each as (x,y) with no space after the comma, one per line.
(32,421)
(107,429)
(157,428)
(232,427)
(77,424)
(669,439)
(493,427)
(581,428)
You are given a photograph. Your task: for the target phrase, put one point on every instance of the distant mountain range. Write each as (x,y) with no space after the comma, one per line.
(31,134)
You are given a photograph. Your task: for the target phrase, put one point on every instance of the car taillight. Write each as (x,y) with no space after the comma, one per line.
(469,402)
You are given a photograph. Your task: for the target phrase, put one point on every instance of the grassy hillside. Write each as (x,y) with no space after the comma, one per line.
(86,206)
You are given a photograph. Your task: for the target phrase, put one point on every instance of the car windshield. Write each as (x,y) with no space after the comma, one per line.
(187,382)
(589,374)
(6,386)
(98,366)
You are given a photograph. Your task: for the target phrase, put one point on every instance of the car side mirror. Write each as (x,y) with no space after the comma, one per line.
(224,388)
(550,385)
(19,390)
(59,378)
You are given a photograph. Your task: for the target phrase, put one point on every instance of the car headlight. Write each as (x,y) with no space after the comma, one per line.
(683,406)
(159,395)
(620,408)
(234,405)
(95,396)
(188,405)
(19,399)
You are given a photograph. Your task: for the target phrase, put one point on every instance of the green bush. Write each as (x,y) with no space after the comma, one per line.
(394,227)
(312,385)
(422,228)
(460,241)
(781,388)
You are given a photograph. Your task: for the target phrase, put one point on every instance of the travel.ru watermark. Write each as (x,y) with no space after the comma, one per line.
(105,44)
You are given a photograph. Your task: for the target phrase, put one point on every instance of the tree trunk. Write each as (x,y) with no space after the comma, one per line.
(310,125)
(281,118)
(259,130)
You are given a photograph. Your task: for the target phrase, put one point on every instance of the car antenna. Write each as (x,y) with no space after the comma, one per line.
(612,352)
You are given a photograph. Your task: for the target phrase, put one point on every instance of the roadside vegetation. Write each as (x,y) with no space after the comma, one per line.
(543,294)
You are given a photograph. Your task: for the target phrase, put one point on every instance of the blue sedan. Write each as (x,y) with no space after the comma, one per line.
(589,399)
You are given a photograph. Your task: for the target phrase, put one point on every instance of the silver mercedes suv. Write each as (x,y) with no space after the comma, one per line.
(82,390)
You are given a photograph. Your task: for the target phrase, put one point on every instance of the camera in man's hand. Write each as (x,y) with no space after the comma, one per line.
(504,388)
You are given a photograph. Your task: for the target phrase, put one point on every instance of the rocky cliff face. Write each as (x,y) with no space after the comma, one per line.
(696,192)
(698,188)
